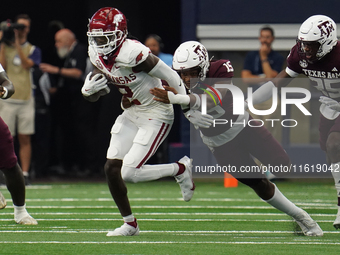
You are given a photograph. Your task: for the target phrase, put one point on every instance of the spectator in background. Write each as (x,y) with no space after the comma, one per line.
(155,44)
(259,67)
(72,116)
(18,56)
(43,152)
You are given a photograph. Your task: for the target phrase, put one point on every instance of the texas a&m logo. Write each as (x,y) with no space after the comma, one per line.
(326,28)
(201,52)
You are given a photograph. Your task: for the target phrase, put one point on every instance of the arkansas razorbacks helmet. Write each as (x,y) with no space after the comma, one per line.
(107,30)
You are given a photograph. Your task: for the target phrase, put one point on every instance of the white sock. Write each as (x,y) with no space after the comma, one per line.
(336,177)
(149,172)
(280,202)
(26,174)
(129,218)
(19,212)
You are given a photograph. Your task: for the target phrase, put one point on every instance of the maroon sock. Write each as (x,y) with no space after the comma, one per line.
(132,223)
(181,168)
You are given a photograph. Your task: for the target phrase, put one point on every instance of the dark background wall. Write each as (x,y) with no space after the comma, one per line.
(144,17)
(174,20)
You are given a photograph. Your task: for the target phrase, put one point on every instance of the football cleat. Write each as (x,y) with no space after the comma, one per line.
(336,223)
(124,230)
(2,201)
(185,181)
(27,220)
(308,226)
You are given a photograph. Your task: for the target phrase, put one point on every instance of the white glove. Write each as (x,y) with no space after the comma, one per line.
(331,103)
(94,84)
(199,119)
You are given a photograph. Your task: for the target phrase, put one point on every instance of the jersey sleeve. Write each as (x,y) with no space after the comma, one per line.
(133,53)
(221,69)
(92,54)
(294,62)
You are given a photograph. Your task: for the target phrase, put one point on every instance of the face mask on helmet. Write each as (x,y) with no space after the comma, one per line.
(191,56)
(309,50)
(107,30)
(316,38)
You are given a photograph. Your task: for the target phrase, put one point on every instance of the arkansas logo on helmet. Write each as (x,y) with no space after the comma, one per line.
(107,30)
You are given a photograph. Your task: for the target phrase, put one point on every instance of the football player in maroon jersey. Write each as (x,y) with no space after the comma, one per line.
(8,162)
(316,55)
(234,145)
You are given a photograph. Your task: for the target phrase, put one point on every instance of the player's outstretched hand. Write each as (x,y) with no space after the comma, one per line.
(331,103)
(199,119)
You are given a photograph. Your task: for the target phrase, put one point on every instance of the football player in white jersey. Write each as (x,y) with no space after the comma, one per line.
(316,55)
(140,129)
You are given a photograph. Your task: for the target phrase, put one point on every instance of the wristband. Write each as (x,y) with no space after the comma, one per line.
(265,60)
(197,103)
(178,98)
(4,96)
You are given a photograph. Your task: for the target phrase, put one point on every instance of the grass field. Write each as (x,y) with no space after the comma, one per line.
(75,217)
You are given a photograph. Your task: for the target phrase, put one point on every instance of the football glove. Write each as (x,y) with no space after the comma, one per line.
(94,84)
(199,119)
(331,103)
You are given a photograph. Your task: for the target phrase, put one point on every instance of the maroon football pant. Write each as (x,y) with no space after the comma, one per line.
(8,158)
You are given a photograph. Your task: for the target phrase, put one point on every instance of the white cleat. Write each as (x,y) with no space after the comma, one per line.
(336,223)
(185,181)
(3,202)
(27,220)
(124,230)
(308,226)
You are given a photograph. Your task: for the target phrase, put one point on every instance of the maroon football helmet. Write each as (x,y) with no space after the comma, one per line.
(107,30)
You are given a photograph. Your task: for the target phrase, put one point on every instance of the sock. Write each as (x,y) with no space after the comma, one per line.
(19,212)
(131,220)
(280,202)
(148,172)
(181,168)
(26,174)
(336,177)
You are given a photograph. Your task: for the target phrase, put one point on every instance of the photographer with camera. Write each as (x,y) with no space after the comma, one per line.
(18,57)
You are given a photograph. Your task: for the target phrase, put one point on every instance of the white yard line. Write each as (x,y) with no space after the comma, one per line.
(333,207)
(168,242)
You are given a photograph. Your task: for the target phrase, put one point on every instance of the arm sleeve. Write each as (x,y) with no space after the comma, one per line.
(164,72)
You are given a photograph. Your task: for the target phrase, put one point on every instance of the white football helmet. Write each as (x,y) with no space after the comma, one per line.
(190,55)
(320,29)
